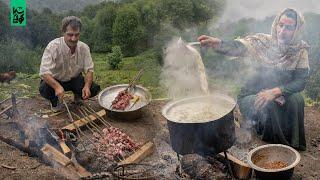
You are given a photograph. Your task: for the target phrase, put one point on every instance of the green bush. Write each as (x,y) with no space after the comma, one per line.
(115,58)
(18,57)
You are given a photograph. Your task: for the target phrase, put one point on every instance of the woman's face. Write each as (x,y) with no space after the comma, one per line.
(285,29)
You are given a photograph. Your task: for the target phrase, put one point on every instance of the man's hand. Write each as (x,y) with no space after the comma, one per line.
(207,41)
(59,92)
(86,92)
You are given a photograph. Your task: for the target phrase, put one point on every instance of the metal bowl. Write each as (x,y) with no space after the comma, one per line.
(258,157)
(132,111)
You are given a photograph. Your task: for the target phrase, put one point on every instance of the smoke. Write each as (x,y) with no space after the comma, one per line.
(183,73)
(237,9)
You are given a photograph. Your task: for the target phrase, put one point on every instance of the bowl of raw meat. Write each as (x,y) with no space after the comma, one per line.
(124,103)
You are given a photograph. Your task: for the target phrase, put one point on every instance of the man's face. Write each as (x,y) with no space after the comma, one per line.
(285,29)
(71,36)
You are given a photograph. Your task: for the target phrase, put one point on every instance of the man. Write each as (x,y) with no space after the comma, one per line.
(63,62)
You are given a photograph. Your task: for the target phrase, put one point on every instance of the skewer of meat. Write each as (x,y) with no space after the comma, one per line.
(123,98)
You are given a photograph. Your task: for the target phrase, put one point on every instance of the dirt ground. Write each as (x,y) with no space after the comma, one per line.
(142,130)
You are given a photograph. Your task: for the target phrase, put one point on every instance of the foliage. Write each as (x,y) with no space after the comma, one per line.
(128,31)
(18,57)
(101,33)
(43,27)
(4,21)
(115,58)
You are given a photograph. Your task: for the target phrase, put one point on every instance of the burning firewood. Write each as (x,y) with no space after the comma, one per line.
(7,76)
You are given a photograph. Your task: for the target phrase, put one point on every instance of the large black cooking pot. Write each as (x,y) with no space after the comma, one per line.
(202,136)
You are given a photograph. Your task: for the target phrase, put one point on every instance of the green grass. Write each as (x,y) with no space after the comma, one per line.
(25,86)
(129,67)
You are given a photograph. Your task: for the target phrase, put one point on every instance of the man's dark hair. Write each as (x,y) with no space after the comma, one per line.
(73,21)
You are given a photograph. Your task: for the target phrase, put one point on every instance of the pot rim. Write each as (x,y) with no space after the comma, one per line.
(173,102)
(257,168)
(123,85)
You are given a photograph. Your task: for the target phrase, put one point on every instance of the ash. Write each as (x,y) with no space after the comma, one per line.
(165,160)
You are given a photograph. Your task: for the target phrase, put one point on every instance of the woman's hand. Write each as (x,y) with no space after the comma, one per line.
(208,41)
(265,96)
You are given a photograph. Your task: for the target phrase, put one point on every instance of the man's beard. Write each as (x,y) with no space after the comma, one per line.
(72,43)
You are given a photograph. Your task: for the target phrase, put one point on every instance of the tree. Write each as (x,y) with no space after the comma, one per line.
(178,12)
(205,10)
(115,57)
(44,27)
(103,24)
(4,21)
(150,18)
(128,31)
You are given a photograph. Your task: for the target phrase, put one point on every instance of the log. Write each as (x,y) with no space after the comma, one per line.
(20,146)
(54,155)
(65,149)
(139,155)
(51,156)
(81,122)
(241,170)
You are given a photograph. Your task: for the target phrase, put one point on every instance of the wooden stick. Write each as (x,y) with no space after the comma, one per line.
(9,107)
(8,167)
(71,119)
(5,100)
(141,153)
(80,123)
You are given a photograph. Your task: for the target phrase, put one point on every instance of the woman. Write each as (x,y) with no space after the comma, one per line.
(270,99)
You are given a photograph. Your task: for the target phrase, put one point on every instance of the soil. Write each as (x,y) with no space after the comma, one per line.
(151,125)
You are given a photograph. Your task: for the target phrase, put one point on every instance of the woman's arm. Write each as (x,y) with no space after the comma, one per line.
(297,84)
(228,48)
(232,48)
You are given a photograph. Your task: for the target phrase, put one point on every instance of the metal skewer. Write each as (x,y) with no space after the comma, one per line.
(78,130)
(86,116)
(90,110)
